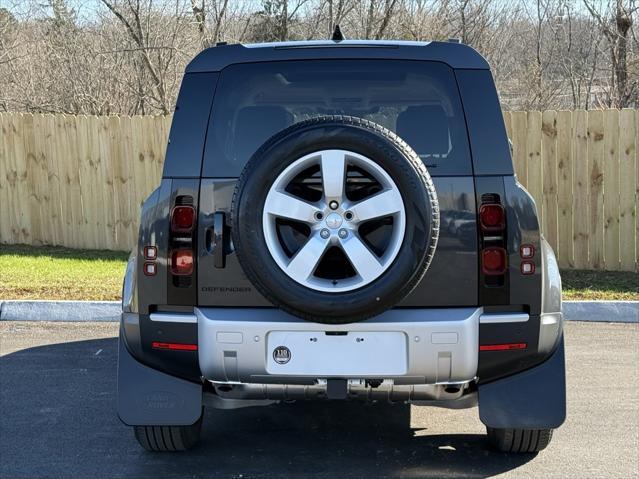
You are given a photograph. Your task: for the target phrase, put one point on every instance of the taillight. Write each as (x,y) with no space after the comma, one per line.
(492,217)
(174,346)
(492,255)
(182,219)
(503,347)
(527,267)
(182,262)
(526,251)
(182,236)
(150,253)
(493,261)
(150,268)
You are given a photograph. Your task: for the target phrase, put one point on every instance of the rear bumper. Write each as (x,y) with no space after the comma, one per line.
(437,346)
(440,348)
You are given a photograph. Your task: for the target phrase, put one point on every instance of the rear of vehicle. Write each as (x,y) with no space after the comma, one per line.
(341,221)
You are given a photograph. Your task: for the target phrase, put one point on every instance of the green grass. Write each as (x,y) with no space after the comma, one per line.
(46,272)
(607,285)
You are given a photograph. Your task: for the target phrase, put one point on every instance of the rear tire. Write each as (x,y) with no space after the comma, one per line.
(168,438)
(519,440)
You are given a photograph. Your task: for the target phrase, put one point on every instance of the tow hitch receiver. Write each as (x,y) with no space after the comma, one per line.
(337,389)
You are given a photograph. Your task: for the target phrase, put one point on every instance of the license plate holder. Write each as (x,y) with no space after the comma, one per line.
(337,354)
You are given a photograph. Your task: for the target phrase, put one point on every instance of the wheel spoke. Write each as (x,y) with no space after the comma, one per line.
(363,260)
(333,174)
(382,204)
(303,264)
(287,206)
(332,220)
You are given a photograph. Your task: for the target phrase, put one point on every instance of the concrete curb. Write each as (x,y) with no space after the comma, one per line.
(105,311)
(602,311)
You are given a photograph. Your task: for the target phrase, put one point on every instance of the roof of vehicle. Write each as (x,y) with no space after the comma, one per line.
(456,55)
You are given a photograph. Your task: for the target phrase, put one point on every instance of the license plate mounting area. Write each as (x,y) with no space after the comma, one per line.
(343,354)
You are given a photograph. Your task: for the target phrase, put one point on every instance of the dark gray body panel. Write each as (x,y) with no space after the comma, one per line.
(148,397)
(521,216)
(485,123)
(456,55)
(154,229)
(534,399)
(183,157)
(226,286)
(451,279)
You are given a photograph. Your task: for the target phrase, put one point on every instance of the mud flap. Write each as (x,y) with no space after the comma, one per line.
(534,399)
(147,397)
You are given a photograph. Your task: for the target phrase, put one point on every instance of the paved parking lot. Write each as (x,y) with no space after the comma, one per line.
(57,403)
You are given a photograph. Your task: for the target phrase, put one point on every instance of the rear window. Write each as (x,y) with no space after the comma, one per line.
(417,100)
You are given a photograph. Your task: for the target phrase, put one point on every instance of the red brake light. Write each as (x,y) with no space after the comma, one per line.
(502,347)
(174,346)
(492,217)
(493,261)
(182,262)
(182,219)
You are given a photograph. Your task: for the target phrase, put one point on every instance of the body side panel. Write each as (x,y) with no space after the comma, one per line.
(485,122)
(183,157)
(154,228)
(157,291)
(524,292)
(523,228)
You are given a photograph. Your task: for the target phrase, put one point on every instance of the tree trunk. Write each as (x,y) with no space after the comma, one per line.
(623,23)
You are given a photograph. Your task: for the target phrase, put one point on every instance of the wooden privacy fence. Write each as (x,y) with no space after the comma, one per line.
(581,168)
(78,181)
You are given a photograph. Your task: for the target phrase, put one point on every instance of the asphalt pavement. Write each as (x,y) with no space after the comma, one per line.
(58,419)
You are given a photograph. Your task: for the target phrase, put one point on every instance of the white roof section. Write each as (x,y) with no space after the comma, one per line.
(334,43)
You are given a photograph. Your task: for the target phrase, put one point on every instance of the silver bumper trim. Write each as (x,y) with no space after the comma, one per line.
(441,344)
(173,317)
(491,318)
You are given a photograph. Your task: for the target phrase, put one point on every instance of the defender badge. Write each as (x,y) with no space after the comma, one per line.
(281,355)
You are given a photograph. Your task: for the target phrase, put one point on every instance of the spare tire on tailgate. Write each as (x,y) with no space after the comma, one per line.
(335,219)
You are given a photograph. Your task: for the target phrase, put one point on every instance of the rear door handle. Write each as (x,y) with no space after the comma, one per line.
(215,238)
(219,257)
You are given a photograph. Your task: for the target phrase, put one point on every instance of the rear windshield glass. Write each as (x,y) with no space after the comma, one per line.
(417,100)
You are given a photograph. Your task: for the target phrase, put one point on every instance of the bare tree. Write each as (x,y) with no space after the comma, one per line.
(128,56)
(157,36)
(337,11)
(615,22)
